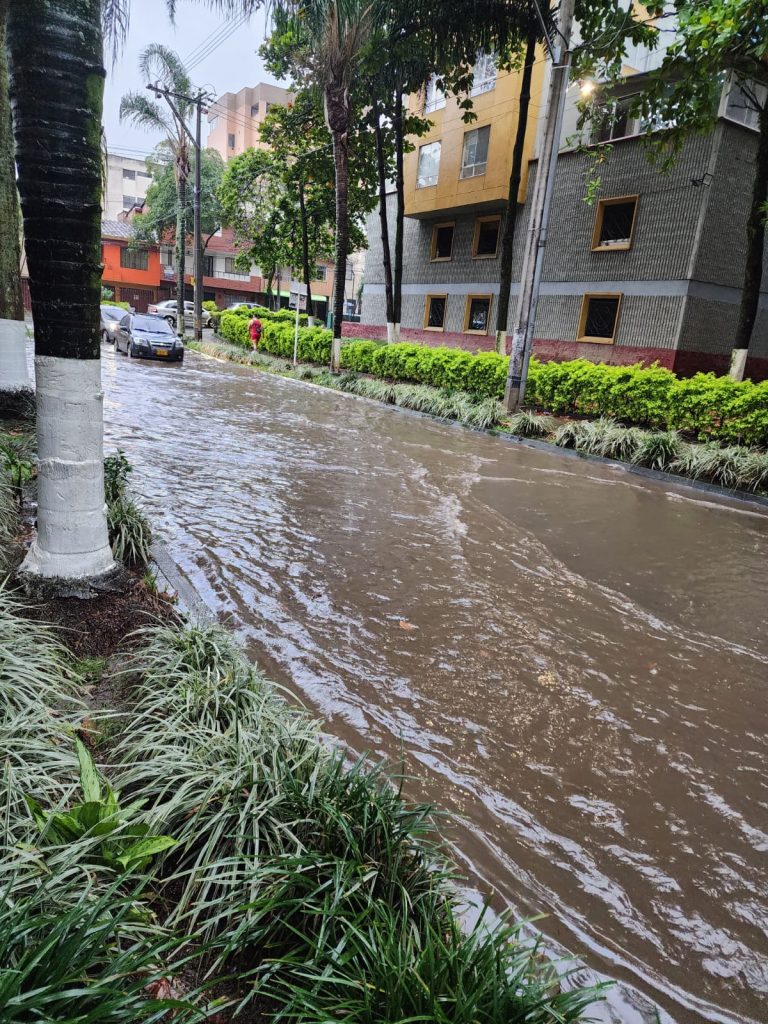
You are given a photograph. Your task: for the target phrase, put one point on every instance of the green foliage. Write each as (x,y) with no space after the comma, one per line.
(210,306)
(17,466)
(130,532)
(314,874)
(123,844)
(80,958)
(530,424)
(158,224)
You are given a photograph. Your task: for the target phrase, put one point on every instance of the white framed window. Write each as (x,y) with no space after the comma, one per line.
(616,123)
(214,123)
(743,103)
(321,272)
(474,157)
(129,175)
(484,73)
(434,97)
(429,165)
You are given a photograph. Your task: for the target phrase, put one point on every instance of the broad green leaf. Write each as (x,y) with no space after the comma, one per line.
(145,848)
(89,777)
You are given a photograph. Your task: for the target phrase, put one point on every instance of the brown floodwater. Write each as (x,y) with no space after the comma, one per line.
(570,659)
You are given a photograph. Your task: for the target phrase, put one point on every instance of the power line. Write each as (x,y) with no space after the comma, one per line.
(211,37)
(215,44)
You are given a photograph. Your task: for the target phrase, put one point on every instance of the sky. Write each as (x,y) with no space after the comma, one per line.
(227,67)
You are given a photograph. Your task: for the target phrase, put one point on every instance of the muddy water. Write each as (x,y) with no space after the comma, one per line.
(571,659)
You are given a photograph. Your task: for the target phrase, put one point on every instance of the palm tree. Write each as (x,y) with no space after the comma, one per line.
(14,376)
(57,82)
(336,33)
(160,65)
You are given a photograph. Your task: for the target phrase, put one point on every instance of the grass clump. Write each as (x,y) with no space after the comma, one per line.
(130,532)
(658,449)
(531,424)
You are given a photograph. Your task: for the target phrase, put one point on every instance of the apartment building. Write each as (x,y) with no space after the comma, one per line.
(127,182)
(651,271)
(234,119)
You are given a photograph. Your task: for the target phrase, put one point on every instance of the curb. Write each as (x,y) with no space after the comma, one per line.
(190,601)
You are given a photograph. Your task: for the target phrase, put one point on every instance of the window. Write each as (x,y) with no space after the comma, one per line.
(616,123)
(442,242)
(321,272)
(208,270)
(434,312)
(143,174)
(214,123)
(599,318)
(434,97)
(254,108)
(485,243)
(429,165)
(129,175)
(743,104)
(231,141)
(229,265)
(134,259)
(484,73)
(475,155)
(130,201)
(614,223)
(267,106)
(477,314)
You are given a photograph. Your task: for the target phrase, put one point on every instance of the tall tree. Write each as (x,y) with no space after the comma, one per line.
(14,376)
(159,64)
(57,82)
(334,35)
(718,41)
(158,224)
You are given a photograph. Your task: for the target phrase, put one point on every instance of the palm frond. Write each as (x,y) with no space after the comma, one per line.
(161,63)
(144,113)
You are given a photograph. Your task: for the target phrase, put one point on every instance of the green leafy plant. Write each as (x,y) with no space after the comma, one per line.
(658,450)
(17,465)
(117,469)
(130,532)
(123,843)
(531,424)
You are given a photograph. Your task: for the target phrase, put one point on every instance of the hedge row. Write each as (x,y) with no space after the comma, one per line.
(278,316)
(710,407)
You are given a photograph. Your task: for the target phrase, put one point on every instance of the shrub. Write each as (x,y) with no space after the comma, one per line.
(210,306)
(130,532)
(659,450)
(531,424)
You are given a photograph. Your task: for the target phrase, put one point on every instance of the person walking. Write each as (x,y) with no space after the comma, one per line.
(254,329)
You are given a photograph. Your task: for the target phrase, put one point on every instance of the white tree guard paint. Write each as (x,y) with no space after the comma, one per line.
(72,540)
(14,373)
(336,353)
(738,363)
(390,332)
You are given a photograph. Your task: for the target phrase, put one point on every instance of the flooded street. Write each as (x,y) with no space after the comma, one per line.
(571,659)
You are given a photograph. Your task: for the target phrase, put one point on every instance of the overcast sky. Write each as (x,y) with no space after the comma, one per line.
(228,67)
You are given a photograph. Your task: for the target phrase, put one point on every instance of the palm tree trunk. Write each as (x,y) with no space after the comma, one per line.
(753,272)
(14,376)
(381,171)
(57,87)
(305,249)
(181,243)
(341,165)
(510,221)
(397,291)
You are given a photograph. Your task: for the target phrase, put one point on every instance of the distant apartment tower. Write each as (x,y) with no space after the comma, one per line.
(235,118)
(127,182)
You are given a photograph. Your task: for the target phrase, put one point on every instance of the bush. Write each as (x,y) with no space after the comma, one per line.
(130,532)
(210,306)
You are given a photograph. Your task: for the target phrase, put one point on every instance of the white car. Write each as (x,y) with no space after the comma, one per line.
(110,318)
(168,310)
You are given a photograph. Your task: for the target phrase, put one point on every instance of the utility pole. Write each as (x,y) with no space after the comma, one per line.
(198,102)
(538,223)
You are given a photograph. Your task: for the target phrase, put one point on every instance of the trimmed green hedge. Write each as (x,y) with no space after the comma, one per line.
(715,408)
(277,316)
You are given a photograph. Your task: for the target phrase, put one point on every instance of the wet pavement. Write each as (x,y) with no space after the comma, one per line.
(571,659)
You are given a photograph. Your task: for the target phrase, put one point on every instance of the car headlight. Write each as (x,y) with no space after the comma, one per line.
(113,326)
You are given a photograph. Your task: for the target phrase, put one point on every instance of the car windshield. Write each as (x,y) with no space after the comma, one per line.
(112,312)
(151,325)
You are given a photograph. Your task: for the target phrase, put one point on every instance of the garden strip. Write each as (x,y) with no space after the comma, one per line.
(735,471)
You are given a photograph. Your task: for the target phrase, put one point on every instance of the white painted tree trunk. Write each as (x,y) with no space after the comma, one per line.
(501,342)
(738,363)
(72,540)
(14,374)
(336,354)
(390,332)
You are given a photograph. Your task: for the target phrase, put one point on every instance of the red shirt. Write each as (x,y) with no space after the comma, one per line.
(255,329)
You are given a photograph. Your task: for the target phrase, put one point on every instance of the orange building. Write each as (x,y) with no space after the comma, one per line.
(131,272)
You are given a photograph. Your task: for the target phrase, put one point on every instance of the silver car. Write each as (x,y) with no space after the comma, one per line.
(110,318)
(145,336)
(168,311)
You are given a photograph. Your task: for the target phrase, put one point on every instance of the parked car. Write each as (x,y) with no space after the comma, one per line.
(243,305)
(147,336)
(168,310)
(110,318)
